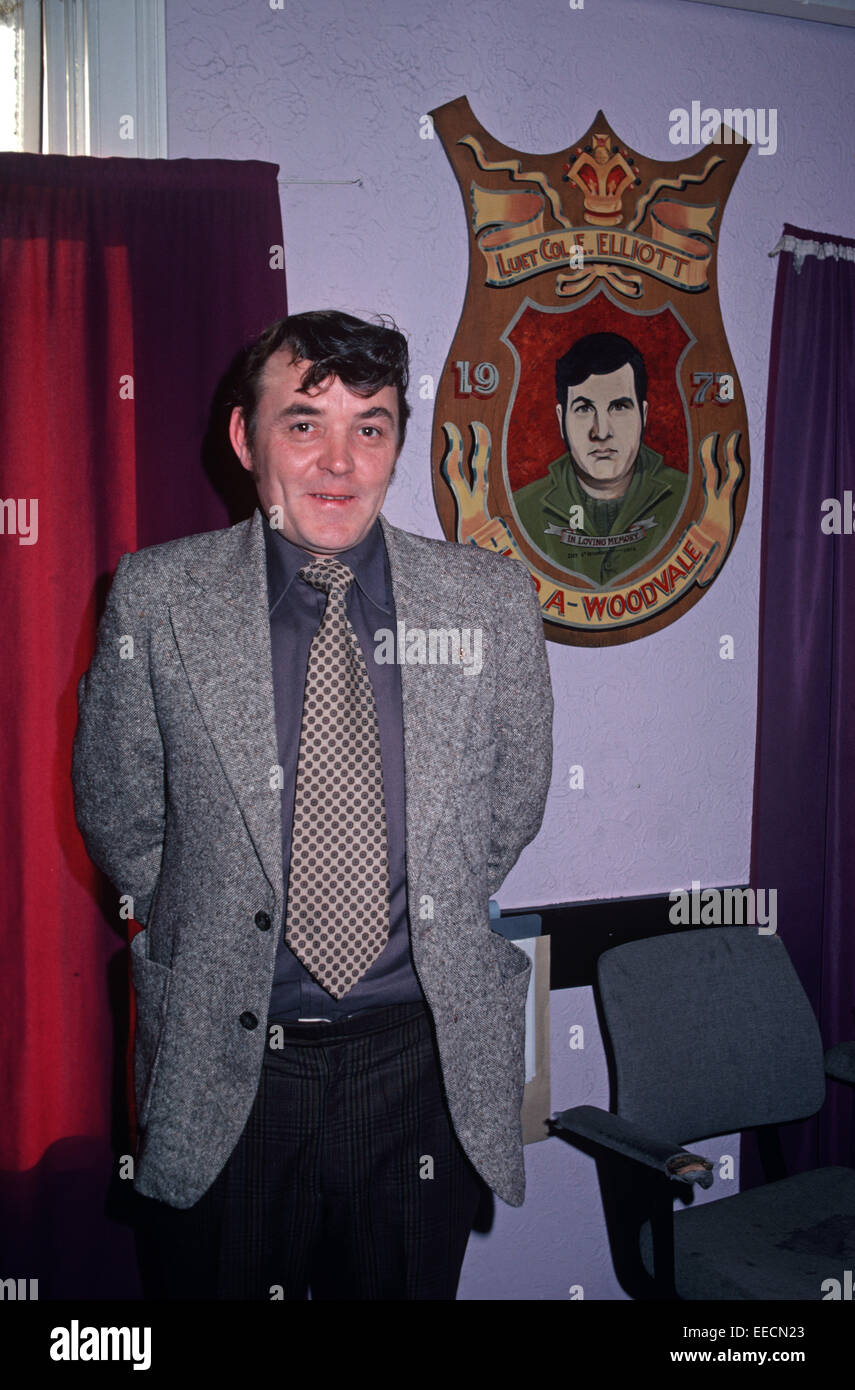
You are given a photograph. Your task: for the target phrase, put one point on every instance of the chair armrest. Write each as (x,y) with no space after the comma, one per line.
(632,1141)
(840,1062)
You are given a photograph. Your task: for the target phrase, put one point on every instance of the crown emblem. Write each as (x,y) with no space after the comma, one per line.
(603,172)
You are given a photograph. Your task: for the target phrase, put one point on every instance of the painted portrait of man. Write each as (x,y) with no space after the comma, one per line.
(609,500)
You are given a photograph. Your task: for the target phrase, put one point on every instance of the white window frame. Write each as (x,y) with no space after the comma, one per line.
(104,67)
(28,23)
(126,47)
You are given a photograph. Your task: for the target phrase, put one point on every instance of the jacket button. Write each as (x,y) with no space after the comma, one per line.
(249,1020)
(262,921)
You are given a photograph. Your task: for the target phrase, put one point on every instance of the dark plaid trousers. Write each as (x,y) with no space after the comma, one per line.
(348,1178)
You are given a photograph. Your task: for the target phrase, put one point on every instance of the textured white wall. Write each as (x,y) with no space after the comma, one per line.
(663,727)
(330,90)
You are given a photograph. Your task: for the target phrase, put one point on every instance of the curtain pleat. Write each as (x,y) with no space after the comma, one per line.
(803,841)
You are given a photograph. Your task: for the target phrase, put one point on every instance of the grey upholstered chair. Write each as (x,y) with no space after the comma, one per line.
(711,1032)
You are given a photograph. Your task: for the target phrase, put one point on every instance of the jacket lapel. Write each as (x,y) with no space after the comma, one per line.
(222,631)
(437,699)
(223,634)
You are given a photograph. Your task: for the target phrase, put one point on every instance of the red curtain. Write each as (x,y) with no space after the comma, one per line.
(126,286)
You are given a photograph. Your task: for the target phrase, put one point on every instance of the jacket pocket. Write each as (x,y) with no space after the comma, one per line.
(512,962)
(151,986)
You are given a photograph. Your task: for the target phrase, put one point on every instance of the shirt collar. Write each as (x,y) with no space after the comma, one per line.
(367,560)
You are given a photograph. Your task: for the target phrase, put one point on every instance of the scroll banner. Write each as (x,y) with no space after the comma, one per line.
(515,248)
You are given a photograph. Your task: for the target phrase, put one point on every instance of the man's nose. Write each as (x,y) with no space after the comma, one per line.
(336,456)
(600,425)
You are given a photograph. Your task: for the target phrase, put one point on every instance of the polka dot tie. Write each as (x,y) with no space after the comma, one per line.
(337,913)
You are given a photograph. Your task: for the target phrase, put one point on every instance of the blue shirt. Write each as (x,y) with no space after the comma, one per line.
(296,609)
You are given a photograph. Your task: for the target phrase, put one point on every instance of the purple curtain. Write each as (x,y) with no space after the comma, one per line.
(126,288)
(804,802)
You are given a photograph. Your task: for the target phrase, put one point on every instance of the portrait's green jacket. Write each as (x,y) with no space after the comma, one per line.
(655,491)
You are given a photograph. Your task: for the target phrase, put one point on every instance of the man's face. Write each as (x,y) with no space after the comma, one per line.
(323,457)
(602,426)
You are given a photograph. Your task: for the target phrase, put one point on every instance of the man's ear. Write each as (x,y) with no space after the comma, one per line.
(237,435)
(644,414)
(560,413)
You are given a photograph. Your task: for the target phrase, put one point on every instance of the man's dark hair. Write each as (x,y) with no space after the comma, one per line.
(597,354)
(364,356)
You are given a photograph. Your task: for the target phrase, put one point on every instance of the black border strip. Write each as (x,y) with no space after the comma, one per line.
(580,932)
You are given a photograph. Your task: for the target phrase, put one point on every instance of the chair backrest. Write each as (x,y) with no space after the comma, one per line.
(712,1032)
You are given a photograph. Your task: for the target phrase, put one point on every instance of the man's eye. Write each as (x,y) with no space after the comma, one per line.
(582,406)
(372,429)
(301,426)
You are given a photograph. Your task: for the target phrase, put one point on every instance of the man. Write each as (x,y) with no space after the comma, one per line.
(608,484)
(329,1052)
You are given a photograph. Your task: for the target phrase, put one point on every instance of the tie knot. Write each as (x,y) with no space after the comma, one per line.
(327,573)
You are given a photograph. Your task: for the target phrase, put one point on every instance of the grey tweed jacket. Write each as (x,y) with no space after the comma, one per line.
(176,796)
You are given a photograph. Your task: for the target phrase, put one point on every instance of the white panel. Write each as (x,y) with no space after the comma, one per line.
(55,132)
(529,945)
(32,76)
(151,77)
(127,78)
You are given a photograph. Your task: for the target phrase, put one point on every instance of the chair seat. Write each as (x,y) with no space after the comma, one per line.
(780,1241)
